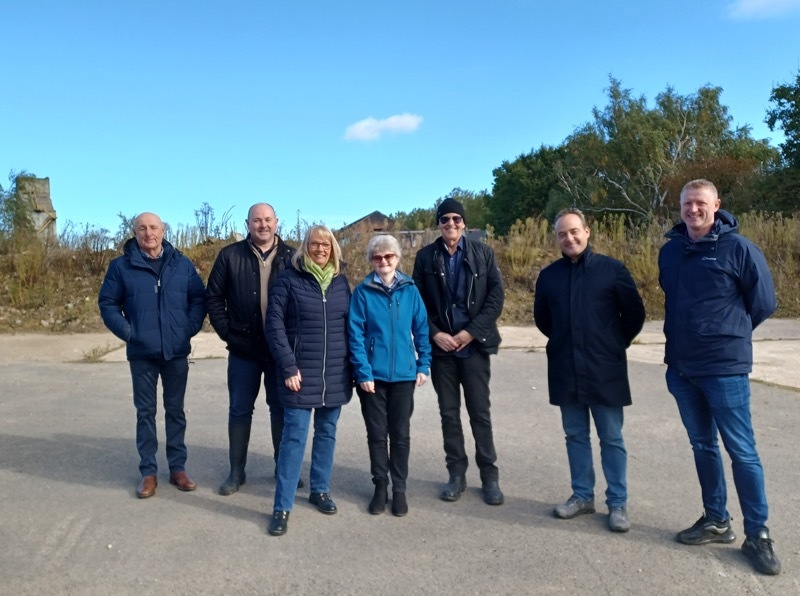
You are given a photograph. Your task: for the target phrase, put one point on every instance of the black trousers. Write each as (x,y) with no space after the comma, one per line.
(449,374)
(387,412)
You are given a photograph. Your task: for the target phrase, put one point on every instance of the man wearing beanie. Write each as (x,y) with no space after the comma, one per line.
(461,286)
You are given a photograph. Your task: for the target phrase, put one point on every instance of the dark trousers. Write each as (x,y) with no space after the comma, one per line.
(449,374)
(244,383)
(387,412)
(174,374)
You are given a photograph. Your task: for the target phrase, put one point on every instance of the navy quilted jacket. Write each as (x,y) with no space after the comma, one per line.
(155,315)
(307,331)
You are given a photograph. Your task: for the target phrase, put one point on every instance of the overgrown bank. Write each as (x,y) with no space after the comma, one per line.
(51,287)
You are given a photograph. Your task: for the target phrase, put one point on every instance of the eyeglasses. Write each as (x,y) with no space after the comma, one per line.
(322,245)
(445,219)
(387,257)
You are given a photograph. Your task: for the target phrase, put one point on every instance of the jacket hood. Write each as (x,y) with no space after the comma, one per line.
(724,223)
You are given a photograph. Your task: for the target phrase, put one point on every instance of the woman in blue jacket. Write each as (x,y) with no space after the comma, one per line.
(306,330)
(391,353)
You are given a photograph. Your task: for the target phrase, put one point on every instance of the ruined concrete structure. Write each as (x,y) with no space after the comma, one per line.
(36,192)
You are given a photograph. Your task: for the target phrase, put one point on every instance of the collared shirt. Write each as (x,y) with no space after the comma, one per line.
(457,292)
(154,262)
(377,279)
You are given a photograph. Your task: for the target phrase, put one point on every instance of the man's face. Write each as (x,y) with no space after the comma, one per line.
(262,223)
(571,235)
(698,206)
(453,227)
(149,232)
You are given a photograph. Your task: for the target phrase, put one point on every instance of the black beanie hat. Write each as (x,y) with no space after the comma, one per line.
(450,206)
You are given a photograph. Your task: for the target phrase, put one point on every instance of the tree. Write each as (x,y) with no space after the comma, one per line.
(785,114)
(16,225)
(476,206)
(631,158)
(522,188)
(416,219)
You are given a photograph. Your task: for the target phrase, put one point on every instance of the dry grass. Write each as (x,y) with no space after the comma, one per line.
(53,288)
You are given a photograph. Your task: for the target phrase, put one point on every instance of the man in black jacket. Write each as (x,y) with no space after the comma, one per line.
(237,304)
(589,308)
(461,286)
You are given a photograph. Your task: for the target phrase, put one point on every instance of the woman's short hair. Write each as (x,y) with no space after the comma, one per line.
(381,243)
(325,233)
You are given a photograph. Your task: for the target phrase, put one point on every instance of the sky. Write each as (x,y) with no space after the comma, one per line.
(330,110)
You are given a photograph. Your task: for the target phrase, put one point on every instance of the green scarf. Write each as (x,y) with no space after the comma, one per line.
(323,275)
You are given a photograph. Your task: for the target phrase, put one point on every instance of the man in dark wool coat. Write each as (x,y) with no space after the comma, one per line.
(589,308)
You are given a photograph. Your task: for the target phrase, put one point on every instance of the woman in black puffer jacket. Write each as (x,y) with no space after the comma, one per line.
(306,330)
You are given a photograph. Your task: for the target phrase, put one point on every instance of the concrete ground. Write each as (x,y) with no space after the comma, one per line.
(71,524)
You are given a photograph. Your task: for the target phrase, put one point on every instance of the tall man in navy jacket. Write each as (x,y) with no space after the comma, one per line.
(237,295)
(153,300)
(589,308)
(717,288)
(460,283)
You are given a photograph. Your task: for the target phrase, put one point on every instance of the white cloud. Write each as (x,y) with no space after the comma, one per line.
(762,9)
(371,129)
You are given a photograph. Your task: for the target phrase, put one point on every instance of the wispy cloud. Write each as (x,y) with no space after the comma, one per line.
(762,9)
(371,129)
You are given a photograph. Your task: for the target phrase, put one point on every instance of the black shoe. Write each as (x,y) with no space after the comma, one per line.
(399,504)
(706,530)
(758,549)
(279,522)
(453,489)
(380,498)
(323,502)
(492,495)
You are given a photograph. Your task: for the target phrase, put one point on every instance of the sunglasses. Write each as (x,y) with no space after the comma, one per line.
(445,219)
(387,257)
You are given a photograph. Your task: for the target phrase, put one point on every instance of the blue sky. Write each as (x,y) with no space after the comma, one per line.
(330,110)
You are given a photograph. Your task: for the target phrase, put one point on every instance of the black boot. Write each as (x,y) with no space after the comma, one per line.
(399,504)
(238,438)
(379,499)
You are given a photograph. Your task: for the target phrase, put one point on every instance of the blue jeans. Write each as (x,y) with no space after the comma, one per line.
(174,374)
(293,445)
(244,383)
(613,456)
(711,405)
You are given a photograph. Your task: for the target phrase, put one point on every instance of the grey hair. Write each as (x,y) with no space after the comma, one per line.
(382,242)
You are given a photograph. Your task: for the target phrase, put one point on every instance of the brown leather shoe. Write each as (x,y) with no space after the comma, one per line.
(182,481)
(147,487)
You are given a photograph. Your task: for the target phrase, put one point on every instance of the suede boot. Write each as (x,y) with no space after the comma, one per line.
(239,439)
(379,499)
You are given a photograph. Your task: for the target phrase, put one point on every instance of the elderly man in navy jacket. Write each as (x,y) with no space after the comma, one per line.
(153,299)
(589,308)
(717,288)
